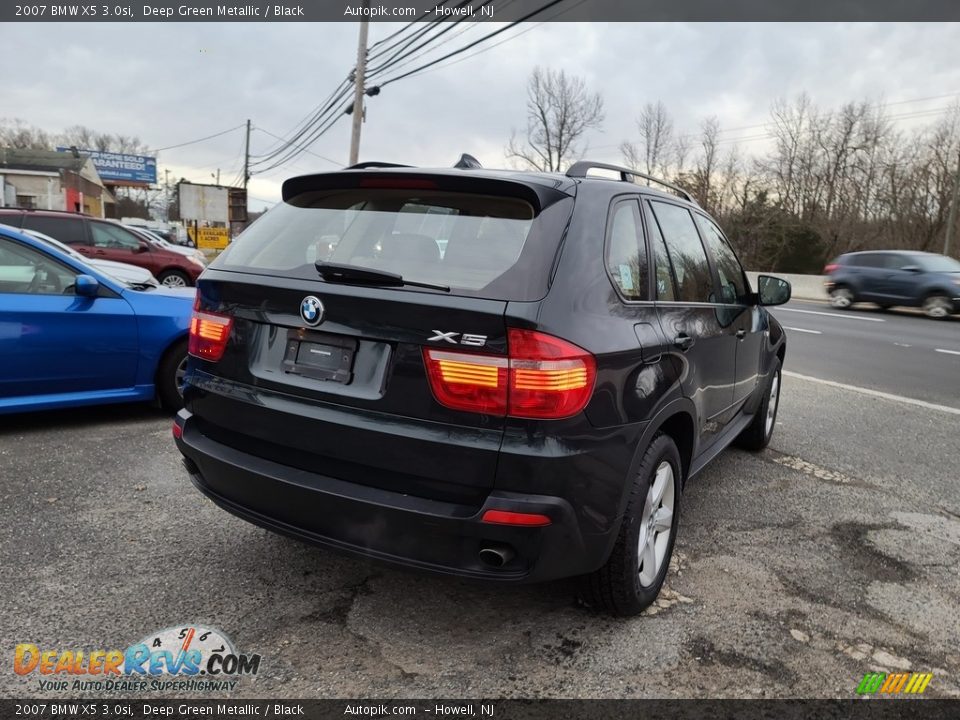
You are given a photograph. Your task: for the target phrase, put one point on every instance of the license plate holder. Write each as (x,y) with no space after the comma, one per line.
(320,356)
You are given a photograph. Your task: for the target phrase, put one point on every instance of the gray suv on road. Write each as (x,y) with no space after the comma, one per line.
(901,277)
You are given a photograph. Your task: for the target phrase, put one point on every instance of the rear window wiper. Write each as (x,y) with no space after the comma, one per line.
(353,275)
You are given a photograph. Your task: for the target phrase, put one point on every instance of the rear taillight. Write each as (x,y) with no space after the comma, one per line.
(208,333)
(549,377)
(476,383)
(543,377)
(830,267)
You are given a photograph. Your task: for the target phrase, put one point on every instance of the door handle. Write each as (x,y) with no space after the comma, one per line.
(741,334)
(684,342)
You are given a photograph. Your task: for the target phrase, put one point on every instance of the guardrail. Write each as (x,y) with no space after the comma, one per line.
(805,287)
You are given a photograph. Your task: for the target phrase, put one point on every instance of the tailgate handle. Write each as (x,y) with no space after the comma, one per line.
(684,342)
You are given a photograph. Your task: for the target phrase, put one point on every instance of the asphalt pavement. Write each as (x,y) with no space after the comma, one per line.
(896,351)
(831,554)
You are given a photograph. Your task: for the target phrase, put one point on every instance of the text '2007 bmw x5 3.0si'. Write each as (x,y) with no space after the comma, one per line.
(493,374)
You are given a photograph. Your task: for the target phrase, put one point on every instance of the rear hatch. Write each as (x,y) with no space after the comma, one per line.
(328,303)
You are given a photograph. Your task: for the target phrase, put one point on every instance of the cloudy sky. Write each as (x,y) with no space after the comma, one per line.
(172,83)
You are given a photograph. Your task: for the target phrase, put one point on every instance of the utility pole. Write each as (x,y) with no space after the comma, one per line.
(358,81)
(246,159)
(952,218)
(166,185)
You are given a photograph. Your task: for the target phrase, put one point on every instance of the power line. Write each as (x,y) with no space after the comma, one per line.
(327,107)
(311,152)
(446,26)
(534,26)
(406,27)
(198,140)
(473,44)
(301,147)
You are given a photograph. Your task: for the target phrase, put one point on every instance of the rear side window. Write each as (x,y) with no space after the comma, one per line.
(625,254)
(733,288)
(663,271)
(478,245)
(67,230)
(689,259)
(874,260)
(111,236)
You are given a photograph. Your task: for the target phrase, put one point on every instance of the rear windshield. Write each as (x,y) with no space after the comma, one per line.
(477,245)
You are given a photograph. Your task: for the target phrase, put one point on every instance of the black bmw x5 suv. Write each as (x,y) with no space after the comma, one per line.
(500,375)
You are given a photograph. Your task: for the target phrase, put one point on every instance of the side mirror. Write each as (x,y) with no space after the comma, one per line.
(86,286)
(142,248)
(911,268)
(772,290)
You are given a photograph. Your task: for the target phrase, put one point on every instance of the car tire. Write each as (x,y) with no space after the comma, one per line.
(624,586)
(937,306)
(756,436)
(170,376)
(842,297)
(174,278)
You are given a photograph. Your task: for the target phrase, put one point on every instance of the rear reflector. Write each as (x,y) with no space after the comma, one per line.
(209,332)
(505,517)
(177,430)
(543,377)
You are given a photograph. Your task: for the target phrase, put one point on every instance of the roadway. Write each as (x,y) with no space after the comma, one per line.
(899,352)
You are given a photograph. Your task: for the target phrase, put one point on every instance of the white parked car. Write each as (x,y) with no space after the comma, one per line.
(157,240)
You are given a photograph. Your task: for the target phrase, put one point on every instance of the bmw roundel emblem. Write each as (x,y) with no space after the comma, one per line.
(311,310)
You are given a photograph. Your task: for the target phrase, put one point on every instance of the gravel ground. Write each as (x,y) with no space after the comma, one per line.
(831,554)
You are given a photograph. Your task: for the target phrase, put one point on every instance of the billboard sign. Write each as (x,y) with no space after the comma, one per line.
(204,203)
(122,169)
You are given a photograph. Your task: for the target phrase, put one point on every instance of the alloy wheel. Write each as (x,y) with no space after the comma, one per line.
(180,374)
(772,404)
(841,298)
(656,524)
(174,281)
(936,306)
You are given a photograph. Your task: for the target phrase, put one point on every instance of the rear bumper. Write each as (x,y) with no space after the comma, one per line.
(396,528)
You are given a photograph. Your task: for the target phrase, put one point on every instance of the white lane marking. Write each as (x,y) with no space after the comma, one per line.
(795,329)
(948,352)
(845,317)
(902,345)
(876,393)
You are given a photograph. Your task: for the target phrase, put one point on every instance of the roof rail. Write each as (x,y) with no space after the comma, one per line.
(375,164)
(580,169)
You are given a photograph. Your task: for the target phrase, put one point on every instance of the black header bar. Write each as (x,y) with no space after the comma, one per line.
(405,11)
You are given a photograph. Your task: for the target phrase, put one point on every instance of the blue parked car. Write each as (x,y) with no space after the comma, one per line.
(72,335)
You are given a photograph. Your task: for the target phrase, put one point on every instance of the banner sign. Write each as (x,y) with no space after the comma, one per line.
(120,168)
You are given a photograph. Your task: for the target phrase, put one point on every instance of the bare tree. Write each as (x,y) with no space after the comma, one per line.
(15,133)
(560,110)
(656,140)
